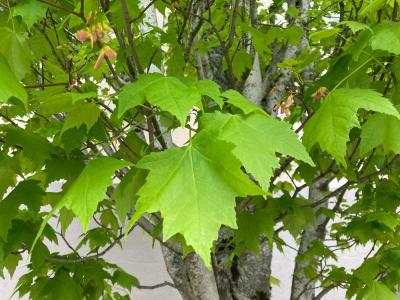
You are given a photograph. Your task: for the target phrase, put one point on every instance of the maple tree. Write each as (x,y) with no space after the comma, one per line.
(279,102)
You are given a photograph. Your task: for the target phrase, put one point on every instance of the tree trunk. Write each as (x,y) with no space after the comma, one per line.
(302,286)
(247,277)
(190,276)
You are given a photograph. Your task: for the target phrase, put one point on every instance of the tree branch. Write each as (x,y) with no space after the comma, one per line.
(35,86)
(149,227)
(346,185)
(233,24)
(64,260)
(79,15)
(143,11)
(129,34)
(156,286)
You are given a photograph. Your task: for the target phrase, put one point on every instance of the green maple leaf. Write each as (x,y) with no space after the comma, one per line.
(379,291)
(242,62)
(323,34)
(72,139)
(238,100)
(388,219)
(368,270)
(11,263)
(168,93)
(63,168)
(382,130)
(87,190)
(387,195)
(134,94)
(14,48)
(194,188)
(84,114)
(62,102)
(9,168)
(30,11)
(60,287)
(355,26)
(173,96)
(10,205)
(9,84)
(124,279)
(34,146)
(386,37)
(331,124)
(125,194)
(90,187)
(250,227)
(370,8)
(257,138)
(211,89)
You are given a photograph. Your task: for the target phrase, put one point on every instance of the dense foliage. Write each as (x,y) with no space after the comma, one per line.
(276,99)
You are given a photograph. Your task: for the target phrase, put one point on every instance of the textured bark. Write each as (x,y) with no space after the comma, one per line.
(277,81)
(253,86)
(302,286)
(269,79)
(247,276)
(254,272)
(201,60)
(284,82)
(190,276)
(249,272)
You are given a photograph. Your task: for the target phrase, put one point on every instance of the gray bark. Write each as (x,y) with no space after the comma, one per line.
(284,82)
(302,286)
(190,276)
(253,88)
(277,81)
(201,60)
(192,279)
(254,273)
(247,276)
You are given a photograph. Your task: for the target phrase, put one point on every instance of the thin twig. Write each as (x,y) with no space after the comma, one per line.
(129,34)
(156,286)
(68,244)
(233,25)
(144,11)
(63,260)
(34,86)
(67,10)
(346,185)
